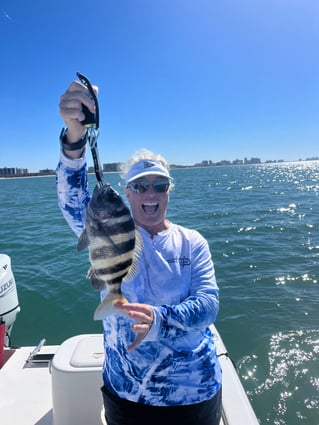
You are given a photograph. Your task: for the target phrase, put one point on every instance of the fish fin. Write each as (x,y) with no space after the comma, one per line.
(139,245)
(132,273)
(83,241)
(106,307)
(96,282)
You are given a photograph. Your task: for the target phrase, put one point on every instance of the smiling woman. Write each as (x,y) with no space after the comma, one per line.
(169,303)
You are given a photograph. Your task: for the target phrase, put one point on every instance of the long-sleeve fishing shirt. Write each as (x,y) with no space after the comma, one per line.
(176,363)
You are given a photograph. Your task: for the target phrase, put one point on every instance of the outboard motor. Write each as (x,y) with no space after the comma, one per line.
(9,304)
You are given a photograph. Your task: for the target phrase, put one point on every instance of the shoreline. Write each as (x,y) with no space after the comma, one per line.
(172,167)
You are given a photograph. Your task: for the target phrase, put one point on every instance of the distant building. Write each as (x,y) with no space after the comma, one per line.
(112,167)
(108,167)
(46,171)
(252,161)
(223,162)
(13,171)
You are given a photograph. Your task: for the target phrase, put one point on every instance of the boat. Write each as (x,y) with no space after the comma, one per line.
(60,384)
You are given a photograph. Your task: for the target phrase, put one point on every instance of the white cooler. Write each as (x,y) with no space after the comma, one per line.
(76,381)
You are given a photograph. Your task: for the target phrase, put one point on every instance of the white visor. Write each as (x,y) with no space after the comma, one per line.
(146,167)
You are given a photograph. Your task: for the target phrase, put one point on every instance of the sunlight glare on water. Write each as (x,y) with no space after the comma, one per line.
(292,374)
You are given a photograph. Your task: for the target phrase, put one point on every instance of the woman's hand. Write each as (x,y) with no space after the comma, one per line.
(71,109)
(144,316)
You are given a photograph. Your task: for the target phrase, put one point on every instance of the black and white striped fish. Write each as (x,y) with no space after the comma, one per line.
(114,245)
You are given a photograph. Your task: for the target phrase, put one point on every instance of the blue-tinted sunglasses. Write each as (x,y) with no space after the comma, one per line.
(142,186)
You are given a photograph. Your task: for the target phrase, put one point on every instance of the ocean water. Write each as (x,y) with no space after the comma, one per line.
(262,224)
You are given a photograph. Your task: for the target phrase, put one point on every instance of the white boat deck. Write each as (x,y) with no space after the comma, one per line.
(26,391)
(26,395)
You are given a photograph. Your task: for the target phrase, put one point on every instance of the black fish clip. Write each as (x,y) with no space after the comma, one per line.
(91,119)
(91,122)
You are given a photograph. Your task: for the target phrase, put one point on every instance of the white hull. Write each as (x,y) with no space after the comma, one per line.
(44,393)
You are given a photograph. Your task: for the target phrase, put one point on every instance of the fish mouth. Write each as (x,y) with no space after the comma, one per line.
(150,207)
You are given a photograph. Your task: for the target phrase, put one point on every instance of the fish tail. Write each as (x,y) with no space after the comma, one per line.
(106,307)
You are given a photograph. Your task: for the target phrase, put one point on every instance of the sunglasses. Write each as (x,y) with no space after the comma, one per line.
(142,186)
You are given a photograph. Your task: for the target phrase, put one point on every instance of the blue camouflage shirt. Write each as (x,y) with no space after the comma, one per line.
(176,363)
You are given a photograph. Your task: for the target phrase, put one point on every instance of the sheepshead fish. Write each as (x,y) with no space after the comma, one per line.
(114,245)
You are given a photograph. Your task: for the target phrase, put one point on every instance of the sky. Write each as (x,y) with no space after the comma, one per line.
(193,80)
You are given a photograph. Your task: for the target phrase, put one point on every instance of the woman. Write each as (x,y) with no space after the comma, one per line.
(160,358)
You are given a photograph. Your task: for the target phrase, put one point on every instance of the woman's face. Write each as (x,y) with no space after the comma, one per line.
(149,204)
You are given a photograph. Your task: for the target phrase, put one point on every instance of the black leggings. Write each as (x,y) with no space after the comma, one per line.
(124,412)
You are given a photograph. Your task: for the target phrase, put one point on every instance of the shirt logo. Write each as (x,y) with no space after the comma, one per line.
(182,261)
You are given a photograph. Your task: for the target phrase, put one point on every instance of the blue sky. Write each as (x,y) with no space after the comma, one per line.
(191,79)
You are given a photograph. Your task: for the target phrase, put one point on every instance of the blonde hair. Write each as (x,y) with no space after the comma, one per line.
(139,156)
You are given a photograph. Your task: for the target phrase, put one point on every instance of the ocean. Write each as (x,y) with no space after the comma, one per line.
(262,225)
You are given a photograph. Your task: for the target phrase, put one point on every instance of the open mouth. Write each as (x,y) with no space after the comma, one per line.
(150,207)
